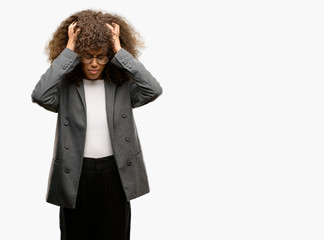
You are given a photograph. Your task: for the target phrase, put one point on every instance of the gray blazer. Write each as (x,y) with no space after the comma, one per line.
(57,95)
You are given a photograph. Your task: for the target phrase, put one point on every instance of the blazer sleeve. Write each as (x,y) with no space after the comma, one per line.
(145,88)
(46,93)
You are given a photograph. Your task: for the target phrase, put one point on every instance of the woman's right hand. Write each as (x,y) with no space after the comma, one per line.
(72,33)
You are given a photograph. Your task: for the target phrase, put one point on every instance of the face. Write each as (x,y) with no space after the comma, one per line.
(93,70)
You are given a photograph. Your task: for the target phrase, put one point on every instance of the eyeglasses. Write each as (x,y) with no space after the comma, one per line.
(101,59)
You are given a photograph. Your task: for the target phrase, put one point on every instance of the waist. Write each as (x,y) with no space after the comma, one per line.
(99,164)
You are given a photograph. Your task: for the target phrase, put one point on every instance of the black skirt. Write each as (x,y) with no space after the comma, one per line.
(102,210)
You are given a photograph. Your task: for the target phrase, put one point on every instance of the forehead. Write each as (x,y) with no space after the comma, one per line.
(94,52)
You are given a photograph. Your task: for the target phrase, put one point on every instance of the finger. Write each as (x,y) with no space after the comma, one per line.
(71,27)
(75,28)
(116,26)
(69,30)
(110,27)
(114,30)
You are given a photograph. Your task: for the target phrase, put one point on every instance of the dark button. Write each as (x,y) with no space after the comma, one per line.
(124,115)
(130,66)
(66,146)
(127,139)
(129,163)
(66,122)
(67,170)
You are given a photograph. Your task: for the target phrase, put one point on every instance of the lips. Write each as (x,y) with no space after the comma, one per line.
(93,71)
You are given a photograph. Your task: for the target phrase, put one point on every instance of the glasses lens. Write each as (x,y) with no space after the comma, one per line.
(102,59)
(86,59)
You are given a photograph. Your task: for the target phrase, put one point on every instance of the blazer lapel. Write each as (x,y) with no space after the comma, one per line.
(110,90)
(81,93)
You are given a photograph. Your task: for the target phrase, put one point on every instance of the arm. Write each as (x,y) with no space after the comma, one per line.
(145,88)
(46,92)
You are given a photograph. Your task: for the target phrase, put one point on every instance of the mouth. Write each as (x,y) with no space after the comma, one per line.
(93,71)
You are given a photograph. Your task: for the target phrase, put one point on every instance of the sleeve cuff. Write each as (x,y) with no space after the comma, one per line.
(123,59)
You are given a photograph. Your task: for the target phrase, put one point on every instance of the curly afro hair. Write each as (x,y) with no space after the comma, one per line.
(94,35)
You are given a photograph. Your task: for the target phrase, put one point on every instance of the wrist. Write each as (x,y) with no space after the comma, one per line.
(70,45)
(117,49)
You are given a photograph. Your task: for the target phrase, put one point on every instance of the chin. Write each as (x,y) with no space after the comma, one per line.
(93,77)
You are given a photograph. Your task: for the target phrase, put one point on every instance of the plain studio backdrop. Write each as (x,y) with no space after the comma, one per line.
(233,147)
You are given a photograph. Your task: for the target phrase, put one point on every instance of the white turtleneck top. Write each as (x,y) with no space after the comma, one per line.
(98,142)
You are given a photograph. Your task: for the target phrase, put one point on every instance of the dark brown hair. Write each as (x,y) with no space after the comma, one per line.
(94,35)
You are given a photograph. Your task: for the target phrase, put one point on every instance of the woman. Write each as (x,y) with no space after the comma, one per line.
(93,83)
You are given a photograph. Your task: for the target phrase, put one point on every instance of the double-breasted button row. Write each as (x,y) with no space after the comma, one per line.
(129,163)
(124,115)
(67,170)
(125,62)
(66,123)
(127,139)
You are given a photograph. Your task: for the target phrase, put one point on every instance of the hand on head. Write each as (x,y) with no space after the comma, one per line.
(115,31)
(72,33)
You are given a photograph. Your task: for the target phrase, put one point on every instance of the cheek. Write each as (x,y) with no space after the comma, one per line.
(84,67)
(103,69)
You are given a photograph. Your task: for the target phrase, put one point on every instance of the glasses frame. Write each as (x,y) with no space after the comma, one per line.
(89,60)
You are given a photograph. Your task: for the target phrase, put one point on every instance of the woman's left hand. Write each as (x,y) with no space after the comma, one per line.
(115,32)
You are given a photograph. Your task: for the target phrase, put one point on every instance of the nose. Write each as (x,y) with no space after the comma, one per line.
(94,62)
